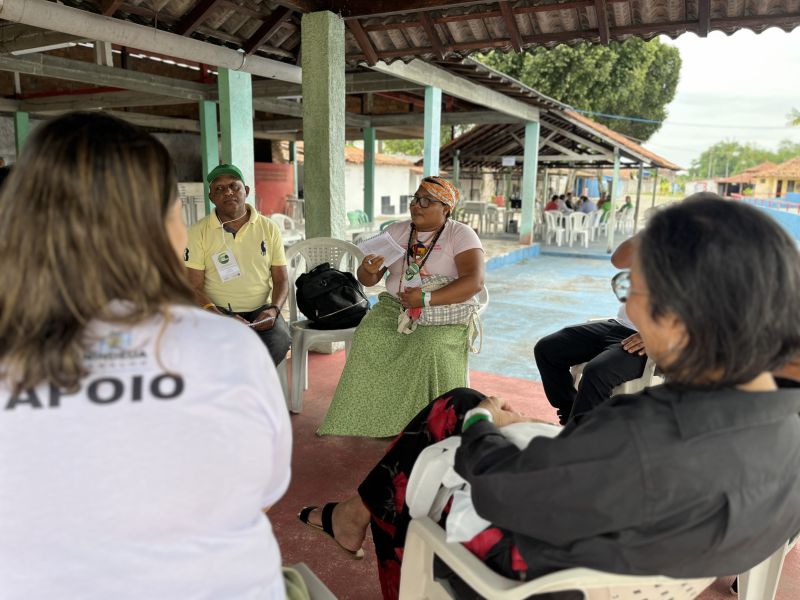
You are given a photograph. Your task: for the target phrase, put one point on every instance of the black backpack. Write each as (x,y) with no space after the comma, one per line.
(330,298)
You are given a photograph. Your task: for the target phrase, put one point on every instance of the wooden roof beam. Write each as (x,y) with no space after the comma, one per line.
(422,73)
(433,35)
(109,7)
(511,25)
(602,21)
(267,30)
(703,17)
(357,9)
(195,18)
(363,41)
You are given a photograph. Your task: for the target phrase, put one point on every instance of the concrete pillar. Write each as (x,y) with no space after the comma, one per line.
(655,187)
(433,125)
(293,160)
(529,165)
(21,128)
(612,216)
(209,143)
(323,124)
(369,172)
(638,198)
(236,124)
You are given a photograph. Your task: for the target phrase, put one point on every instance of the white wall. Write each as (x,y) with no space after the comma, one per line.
(390,180)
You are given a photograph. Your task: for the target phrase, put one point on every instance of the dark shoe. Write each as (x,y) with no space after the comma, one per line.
(327,526)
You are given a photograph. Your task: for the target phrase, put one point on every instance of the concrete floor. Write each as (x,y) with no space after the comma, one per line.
(528,300)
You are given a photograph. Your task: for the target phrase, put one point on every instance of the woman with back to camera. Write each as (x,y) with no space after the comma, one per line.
(389,375)
(142,437)
(693,478)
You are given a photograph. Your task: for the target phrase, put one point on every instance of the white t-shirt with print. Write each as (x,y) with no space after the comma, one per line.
(149,481)
(455,239)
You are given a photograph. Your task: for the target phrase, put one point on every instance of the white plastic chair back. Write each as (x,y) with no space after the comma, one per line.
(426,539)
(648,379)
(761,582)
(594,223)
(289,230)
(578,226)
(304,256)
(301,258)
(553,228)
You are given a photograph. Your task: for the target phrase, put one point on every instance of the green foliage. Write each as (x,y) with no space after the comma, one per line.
(730,157)
(794,117)
(414,147)
(633,78)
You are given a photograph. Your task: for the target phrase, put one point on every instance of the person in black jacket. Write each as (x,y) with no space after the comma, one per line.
(693,478)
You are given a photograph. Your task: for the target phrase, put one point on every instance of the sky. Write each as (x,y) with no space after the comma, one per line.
(737,87)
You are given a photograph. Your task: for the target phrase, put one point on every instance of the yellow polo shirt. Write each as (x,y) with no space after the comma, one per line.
(256,247)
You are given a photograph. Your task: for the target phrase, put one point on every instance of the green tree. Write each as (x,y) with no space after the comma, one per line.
(415,147)
(730,157)
(632,78)
(794,117)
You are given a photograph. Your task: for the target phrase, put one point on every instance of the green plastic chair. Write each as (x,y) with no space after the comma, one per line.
(386,224)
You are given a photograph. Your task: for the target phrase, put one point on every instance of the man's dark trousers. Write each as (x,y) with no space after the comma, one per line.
(608,365)
(277,339)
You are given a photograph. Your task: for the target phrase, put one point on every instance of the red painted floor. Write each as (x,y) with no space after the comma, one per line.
(330,468)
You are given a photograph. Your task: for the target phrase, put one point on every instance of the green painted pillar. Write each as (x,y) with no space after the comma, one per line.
(293,160)
(655,187)
(209,143)
(529,165)
(21,128)
(236,124)
(433,125)
(369,172)
(612,216)
(323,124)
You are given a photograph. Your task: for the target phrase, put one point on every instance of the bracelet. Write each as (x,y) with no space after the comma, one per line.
(473,416)
(276,307)
(426,299)
(209,305)
(424,303)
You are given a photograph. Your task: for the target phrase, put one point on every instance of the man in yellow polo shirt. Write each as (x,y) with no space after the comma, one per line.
(236,262)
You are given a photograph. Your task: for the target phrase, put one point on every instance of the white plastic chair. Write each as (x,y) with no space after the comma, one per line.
(301,258)
(426,539)
(578,226)
(289,230)
(761,582)
(553,228)
(316,589)
(595,219)
(494,218)
(648,379)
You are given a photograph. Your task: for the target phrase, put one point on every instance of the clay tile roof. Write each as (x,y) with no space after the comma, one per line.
(356,155)
(790,168)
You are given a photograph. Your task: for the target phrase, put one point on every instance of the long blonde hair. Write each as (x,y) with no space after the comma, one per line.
(82,223)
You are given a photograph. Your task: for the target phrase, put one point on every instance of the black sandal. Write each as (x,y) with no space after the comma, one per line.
(327,526)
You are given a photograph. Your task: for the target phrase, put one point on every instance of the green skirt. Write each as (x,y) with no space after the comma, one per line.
(389,376)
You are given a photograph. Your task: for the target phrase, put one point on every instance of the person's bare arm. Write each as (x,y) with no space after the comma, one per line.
(280,290)
(197,279)
(469,265)
(623,255)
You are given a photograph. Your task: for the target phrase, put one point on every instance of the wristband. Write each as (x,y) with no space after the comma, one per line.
(426,298)
(209,305)
(473,416)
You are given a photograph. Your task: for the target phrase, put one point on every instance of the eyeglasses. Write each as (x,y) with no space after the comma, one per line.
(423,201)
(621,285)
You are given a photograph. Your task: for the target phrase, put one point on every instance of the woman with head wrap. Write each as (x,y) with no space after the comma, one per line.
(391,374)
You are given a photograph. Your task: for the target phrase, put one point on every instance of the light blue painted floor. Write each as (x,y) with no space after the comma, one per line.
(533,298)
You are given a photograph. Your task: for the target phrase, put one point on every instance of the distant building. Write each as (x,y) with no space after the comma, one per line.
(780,180)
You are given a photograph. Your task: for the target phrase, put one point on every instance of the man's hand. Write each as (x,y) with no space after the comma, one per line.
(269,313)
(411,297)
(634,344)
(372,264)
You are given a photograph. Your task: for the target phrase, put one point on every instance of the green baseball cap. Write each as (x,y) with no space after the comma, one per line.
(225,170)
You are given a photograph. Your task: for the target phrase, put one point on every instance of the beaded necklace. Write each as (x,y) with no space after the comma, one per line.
(413,268)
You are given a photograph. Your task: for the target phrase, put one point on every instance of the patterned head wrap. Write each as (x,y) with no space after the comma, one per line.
(442,190)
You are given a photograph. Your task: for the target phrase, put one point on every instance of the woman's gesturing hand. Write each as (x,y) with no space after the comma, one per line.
(372,264)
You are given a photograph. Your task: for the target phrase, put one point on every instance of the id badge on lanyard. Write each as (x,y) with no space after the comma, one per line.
(226,265)
(411,278)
